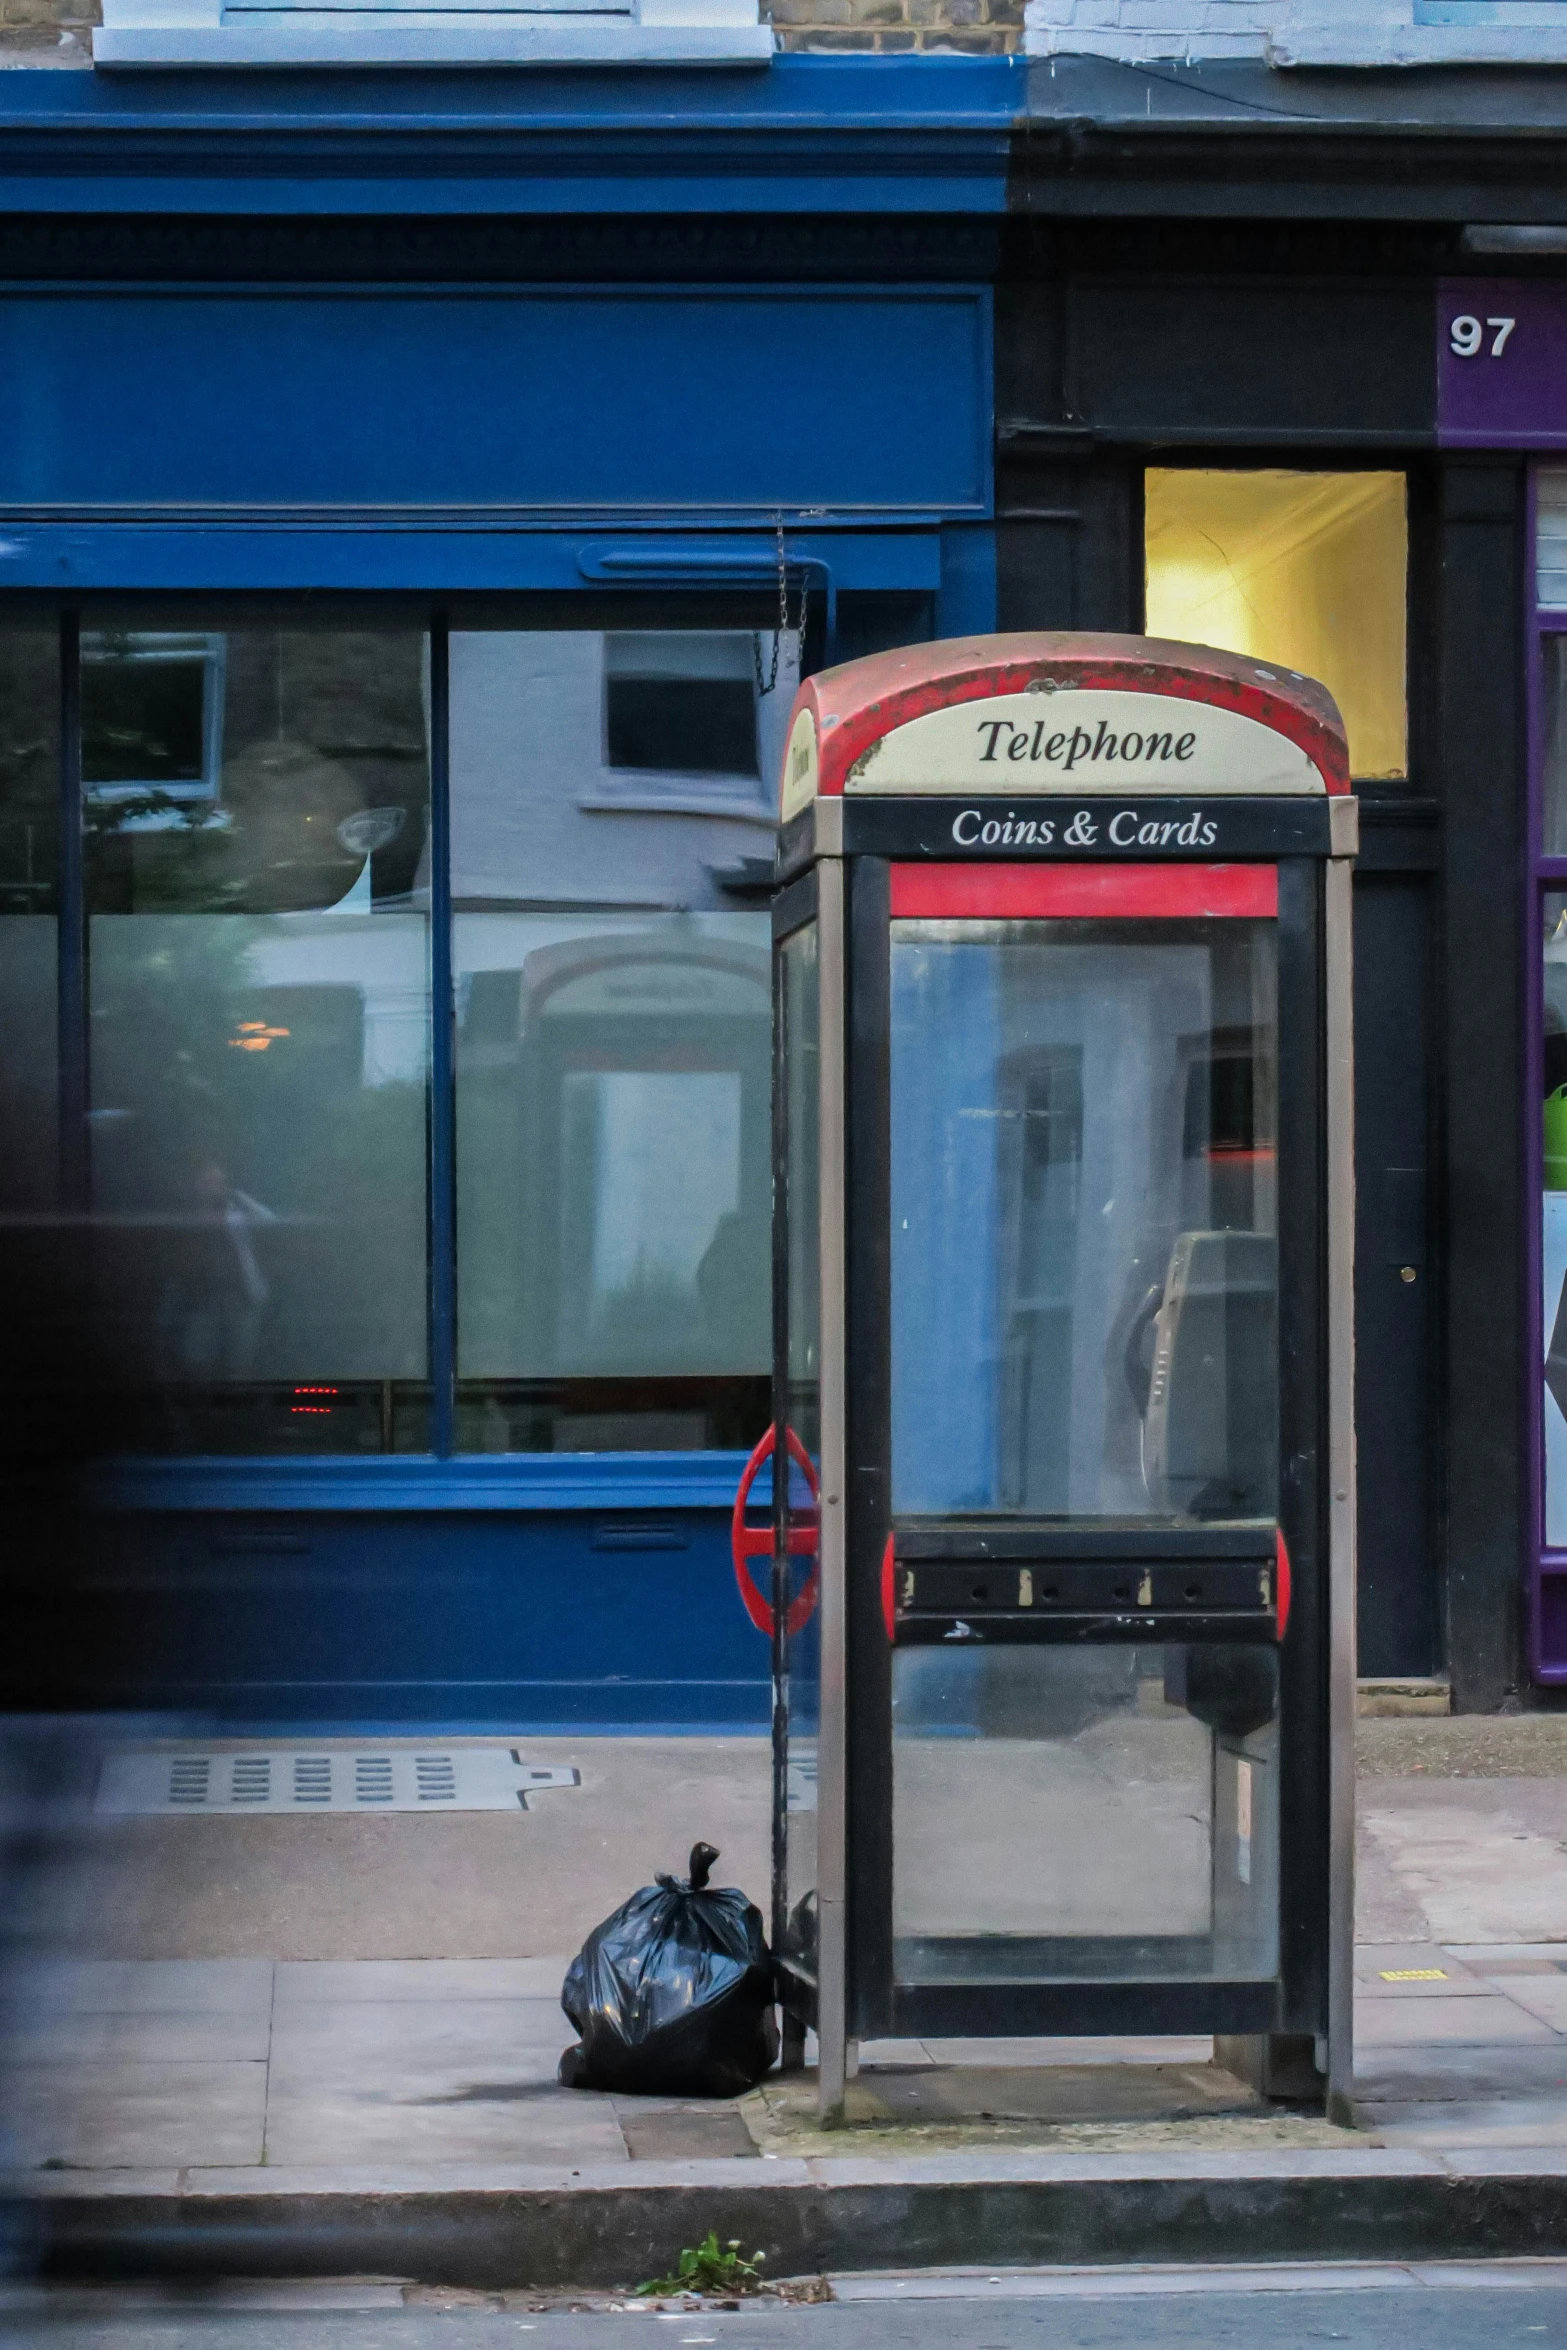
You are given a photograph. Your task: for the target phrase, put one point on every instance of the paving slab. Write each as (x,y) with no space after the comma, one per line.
(1473,1860)
(1479,2125)
(299,1982)
(1543,1996)
(95,2039)
(1481,1954)
(1413,1970)
(469,1885)
(1427,2072)
(127,1986)
(1487,2018)
(102,2115)
(371,2038)
(436,2129)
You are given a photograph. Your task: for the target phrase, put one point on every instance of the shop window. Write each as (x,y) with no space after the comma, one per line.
(255,825)
(246,1115)
(614,1022)
(1304,570)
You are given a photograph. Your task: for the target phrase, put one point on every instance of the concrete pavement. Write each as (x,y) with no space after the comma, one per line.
(221,2105)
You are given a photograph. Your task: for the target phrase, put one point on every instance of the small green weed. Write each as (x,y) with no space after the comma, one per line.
(712,2268)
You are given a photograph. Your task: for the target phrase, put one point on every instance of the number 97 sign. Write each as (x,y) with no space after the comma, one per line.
(1470,337)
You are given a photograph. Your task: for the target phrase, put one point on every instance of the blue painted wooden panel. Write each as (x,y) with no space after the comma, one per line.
(609,1620)
(375,556)
(486,402)
(901,135)
(404,1482)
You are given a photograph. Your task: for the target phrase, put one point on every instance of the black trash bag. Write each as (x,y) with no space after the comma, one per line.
(673,1995)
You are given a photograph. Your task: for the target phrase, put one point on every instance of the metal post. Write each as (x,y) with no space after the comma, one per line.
(443,1101)
(832,1747)
(1341,1462)
(72,942)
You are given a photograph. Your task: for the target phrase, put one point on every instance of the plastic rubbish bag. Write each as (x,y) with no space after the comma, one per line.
(673,1995)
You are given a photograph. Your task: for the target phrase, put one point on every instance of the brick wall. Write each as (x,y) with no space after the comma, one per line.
(59,32)
(47,32)
(983,27)
(1285,32)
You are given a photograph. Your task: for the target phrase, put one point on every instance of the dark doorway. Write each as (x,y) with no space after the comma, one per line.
(1399,1612)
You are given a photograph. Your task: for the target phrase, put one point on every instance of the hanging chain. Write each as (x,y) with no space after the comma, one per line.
(782,629)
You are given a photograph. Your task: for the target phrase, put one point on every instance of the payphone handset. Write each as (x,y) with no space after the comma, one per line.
(1063,1216)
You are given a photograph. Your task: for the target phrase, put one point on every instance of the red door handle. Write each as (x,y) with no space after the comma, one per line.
(752,1542)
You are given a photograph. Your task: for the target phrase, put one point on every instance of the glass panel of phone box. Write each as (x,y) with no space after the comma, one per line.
(1084,1328)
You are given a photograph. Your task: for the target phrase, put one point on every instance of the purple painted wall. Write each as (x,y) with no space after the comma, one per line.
(1501,370)
(1501,364)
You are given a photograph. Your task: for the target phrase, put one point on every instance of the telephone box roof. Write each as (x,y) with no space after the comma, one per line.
(841,715)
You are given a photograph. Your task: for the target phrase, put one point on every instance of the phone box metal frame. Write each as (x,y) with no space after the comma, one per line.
(1011,777)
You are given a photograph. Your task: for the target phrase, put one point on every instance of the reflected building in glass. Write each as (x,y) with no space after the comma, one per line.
(257,1062)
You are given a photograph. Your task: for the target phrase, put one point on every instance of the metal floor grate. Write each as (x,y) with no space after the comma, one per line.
(145,1780)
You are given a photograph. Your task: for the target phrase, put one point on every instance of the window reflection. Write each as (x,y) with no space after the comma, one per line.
(152,725)
(254,804)
(1084,1217)
(682,703)
(614,1022)
(255,817)
(259,771)
(613,1178)
(29,788)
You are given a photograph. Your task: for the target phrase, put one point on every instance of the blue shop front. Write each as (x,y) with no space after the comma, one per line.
(420,498)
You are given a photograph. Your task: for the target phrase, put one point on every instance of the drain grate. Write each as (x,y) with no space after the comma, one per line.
(144,1780)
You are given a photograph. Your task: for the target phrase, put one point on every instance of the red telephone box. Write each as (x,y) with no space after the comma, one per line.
(1063,1644)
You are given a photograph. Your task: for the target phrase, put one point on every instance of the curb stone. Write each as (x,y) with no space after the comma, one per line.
(491,2229)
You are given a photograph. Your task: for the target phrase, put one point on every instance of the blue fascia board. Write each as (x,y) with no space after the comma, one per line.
(404,1482)
(366,406)
(441,556)
(808,134)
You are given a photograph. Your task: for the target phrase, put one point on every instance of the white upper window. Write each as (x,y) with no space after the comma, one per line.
(161,33)
(1304,32)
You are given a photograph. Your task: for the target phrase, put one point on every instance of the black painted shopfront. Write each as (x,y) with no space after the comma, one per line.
(1221,303)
